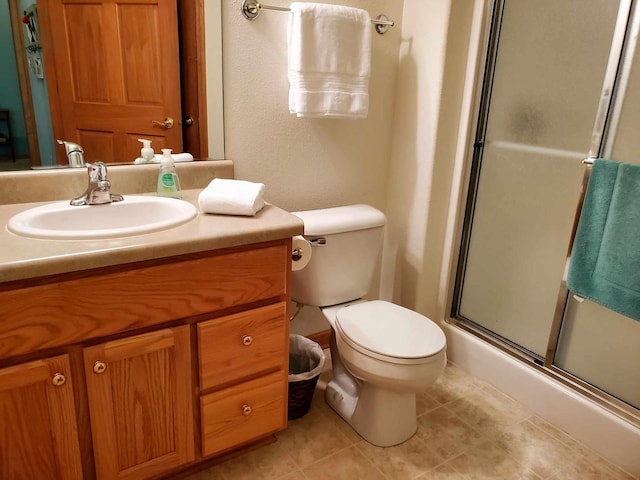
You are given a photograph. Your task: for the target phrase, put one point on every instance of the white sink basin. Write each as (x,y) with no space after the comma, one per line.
(132,216)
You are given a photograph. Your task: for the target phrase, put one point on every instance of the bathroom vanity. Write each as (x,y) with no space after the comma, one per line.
(139,357)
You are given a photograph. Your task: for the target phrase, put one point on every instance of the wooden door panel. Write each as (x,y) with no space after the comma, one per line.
(139,36)
(38,438)
(141,404)
(147,418)
(97,145)
(88,67)
(24,450)
(117,68)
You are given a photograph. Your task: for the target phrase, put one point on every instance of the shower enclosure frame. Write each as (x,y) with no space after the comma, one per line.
(617,72)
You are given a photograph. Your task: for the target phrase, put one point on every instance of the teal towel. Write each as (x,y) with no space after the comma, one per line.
(605,261)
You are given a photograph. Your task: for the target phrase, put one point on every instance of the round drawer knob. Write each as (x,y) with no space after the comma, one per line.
(99,367)
(247,340)
(58,380)
(246,410)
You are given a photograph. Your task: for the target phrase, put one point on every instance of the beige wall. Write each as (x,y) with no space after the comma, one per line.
(304,163)
(430,81)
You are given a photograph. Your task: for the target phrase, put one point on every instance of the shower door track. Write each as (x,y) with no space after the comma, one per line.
(614,86)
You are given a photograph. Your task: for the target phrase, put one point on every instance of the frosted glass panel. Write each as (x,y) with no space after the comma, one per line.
(550,68)
(625,140)
(601,347)
(597,344)
(548,79)
(521,229)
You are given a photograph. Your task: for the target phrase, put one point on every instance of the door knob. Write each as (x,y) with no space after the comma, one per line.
(58,379)
(99,367)
(166,124)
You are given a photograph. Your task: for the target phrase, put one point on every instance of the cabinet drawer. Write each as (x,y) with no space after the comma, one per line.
(237,346)
(244,412)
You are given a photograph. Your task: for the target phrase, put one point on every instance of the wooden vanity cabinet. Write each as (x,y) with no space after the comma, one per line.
(38,433)
(184,359)
(140,403)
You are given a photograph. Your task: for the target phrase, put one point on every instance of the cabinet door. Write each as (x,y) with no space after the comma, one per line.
(38,432)
(140,404)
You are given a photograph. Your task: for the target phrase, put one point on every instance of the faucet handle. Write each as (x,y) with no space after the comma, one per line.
(97,171)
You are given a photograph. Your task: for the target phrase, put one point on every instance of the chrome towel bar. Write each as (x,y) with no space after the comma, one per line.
(251,9)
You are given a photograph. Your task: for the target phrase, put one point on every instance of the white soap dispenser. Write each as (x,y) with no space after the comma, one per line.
(146,152)
(168,181)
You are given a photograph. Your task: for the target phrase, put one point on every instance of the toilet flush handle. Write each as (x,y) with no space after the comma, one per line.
(318,242)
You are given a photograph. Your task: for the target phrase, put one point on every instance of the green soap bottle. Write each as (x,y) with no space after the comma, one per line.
(168,181)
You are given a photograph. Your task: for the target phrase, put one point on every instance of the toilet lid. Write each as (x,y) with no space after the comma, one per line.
(390,330)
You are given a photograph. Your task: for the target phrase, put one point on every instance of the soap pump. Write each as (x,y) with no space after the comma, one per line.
(146,152)
(168,181)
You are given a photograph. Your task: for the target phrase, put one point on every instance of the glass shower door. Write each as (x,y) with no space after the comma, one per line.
(550,62)
(596,344)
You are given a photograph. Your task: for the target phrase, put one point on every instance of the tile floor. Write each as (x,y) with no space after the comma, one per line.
(466,430)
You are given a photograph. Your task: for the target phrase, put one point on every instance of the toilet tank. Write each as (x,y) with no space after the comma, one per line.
(346,243)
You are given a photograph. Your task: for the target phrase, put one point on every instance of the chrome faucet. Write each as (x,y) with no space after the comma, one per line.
(99,189)
(75,153)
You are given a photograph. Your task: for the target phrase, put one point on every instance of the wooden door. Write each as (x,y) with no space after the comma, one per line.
(38,432)
(140,404)
(115,66)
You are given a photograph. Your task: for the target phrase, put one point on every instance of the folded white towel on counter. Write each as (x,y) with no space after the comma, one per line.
(329,48)
(177,157)
(232,197)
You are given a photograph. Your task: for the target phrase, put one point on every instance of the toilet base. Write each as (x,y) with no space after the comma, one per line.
(382,417)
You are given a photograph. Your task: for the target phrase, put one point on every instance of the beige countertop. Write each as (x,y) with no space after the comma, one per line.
(22,257)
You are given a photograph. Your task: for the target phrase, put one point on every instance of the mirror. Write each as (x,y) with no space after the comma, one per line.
(27,131)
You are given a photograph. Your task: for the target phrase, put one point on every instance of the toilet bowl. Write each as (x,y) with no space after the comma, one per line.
(378,371)
(382,354)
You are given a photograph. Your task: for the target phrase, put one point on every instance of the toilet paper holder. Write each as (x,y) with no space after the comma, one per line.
(301,251)
(297,254)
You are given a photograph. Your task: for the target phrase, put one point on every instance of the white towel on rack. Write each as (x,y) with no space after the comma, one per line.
(232,197)
(329,61)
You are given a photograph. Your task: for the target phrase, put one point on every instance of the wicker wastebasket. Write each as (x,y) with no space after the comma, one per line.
(306,360)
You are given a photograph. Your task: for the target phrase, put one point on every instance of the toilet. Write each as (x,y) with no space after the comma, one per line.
(382,354)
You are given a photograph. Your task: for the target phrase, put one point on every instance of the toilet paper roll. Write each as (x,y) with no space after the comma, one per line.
(300,253)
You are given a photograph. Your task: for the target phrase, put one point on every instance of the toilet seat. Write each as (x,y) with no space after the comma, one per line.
(389,332)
